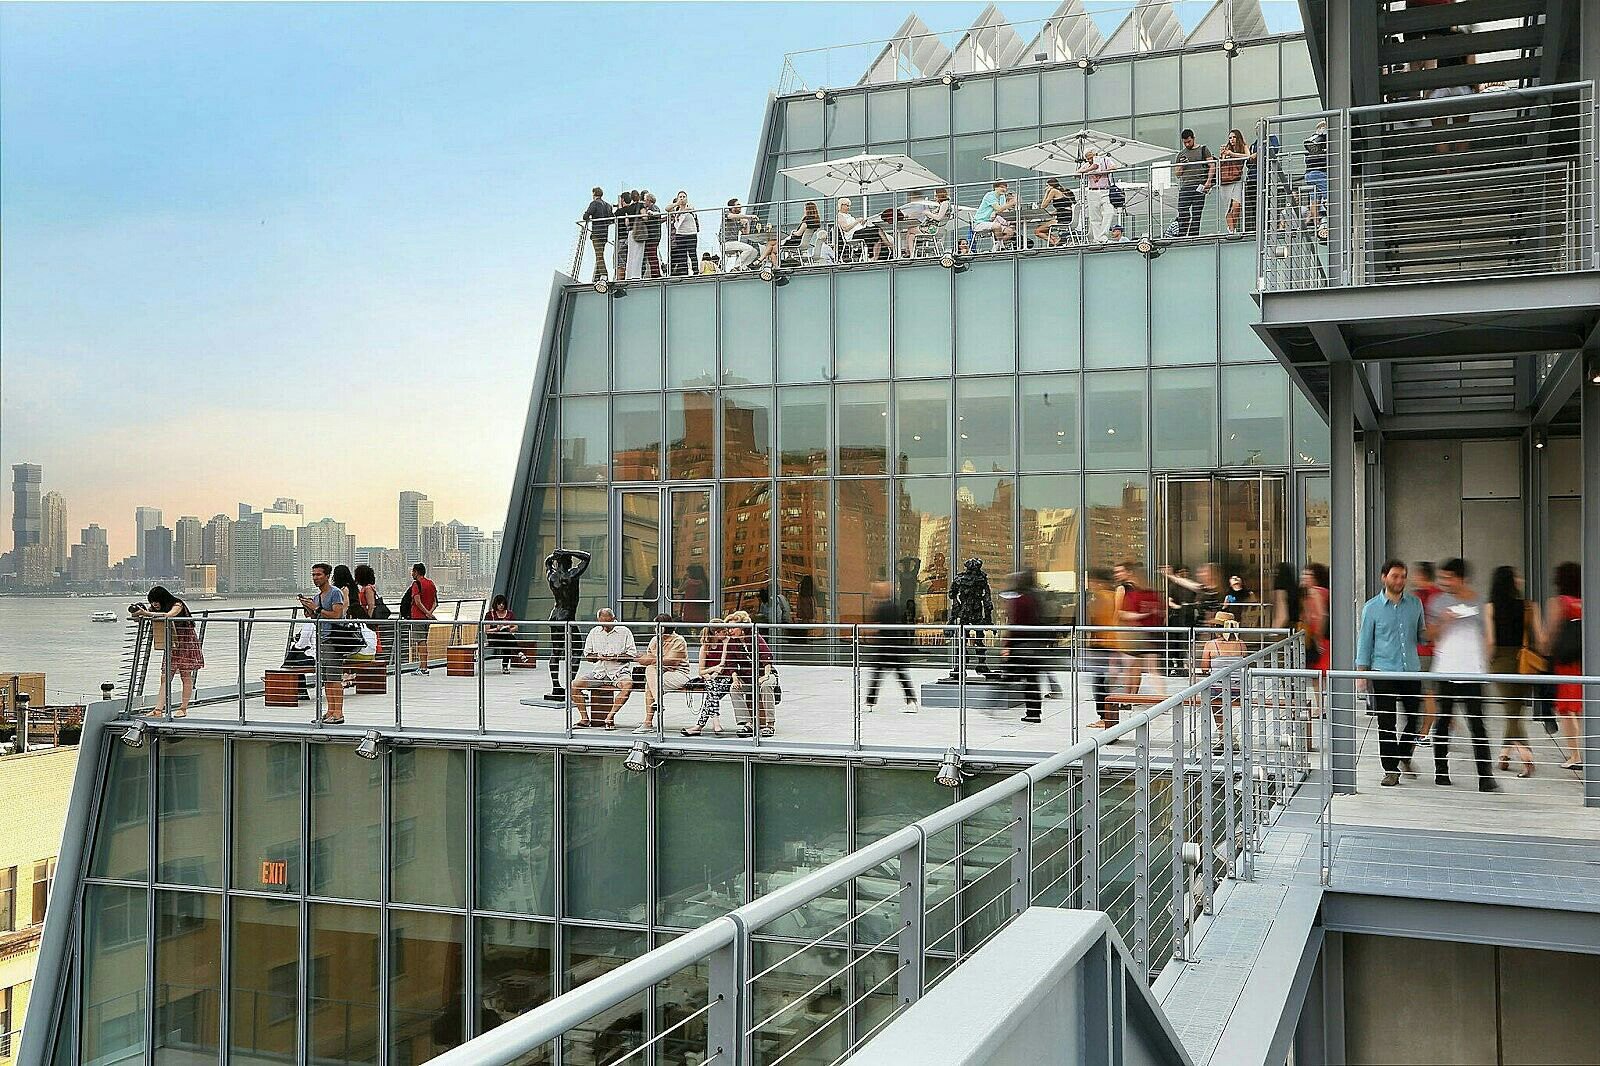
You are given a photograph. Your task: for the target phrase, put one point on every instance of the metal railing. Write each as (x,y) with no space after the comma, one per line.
(1097,826)
(1155,27)
(1488,184)
(1158,201)
(1001,689)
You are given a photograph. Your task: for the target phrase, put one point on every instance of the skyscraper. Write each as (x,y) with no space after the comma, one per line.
(53,529)
(91,558)
(277,559)
(155,551)
(416,514)
(144,518)
(244,566)
(322,541)
(216,547)
(25,524)
(187,546)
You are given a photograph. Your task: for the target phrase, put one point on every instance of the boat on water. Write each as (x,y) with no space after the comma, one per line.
(103,616)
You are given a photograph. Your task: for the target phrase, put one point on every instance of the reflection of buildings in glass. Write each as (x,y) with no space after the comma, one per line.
(1117,531)
(984,525)
(691,436)
(803,555)
(863,545)
(1050,546)
(746,550)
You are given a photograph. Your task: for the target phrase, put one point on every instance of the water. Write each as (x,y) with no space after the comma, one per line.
(53,636)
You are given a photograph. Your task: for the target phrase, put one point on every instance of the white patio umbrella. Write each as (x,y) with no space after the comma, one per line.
(1063,155)
(863,174)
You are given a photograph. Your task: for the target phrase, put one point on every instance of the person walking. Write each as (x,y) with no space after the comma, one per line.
(1105,658)
(170,618)
(1455,624)
(1194,172)
(1391,628)
(1021,650)
(597,217)
(1138,606)
(334,644)
(683,240)
(883,651)
(418,605)
(1563,636)
(1512,626)
(1223,652)
(1425,588)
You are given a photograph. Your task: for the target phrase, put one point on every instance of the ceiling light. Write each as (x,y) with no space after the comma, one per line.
(1539,439)
(371,745)
(1230,47)
(949,774)
(639,760)
(952,81)
(134,737)
(602,285)
(1086,65)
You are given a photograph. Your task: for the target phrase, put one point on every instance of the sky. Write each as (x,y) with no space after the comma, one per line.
(306,250)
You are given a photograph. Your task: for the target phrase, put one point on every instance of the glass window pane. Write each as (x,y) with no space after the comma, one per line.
(1205,79)
(863,428)
(343,983)
(922,550)
(973,106)
(985,318)
(803,549)
(1152,127)
(1114,298)
(114,945)
(1111,91)
(1026,184)
(972,165)
(922,322)
(1049,301)
(862,554)
(803,430)
(986,524)
(691,435)
(886,801)
(585,344)
(188,988)
(1255,416)
(584,448)
(1255,75)
(122,840)
(690,533)
(1184,418)
(428,826)
(861,324)
(1050,422)
(1063,90)
(1016,101)
(1310,432)
(800,826)
(189,805)
(268,783)
(1050,518)
(846,120)
(804,311)
(1184,296)
(1117,532)
(746,545)
(1298,77)
(930,112)
(803,124)
(747,433)
(639,558)
(1114,417)
(346,818)
(636,322)
(636,437)
(515,831)
(515,973)
(586,525)
(425,984)
(691,335)
(985,419)
(699,840)
(1155,84)
(1210,127)
(611,1034)
(808,986)
(264,1011)
(746,333)
(922,427)
(886,115)
(605,825)
(933,154)
(1239,341)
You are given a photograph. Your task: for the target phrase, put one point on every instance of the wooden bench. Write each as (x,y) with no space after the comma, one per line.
(372,677)
(461,660)
(282,685)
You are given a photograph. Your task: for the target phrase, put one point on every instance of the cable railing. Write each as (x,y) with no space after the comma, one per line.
(1145,206)
(1055,834)
(1010,690)
(1487,184)
(1104,31)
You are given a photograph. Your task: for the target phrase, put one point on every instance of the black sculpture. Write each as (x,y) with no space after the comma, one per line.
(562,569)
(972,606)
(906,576)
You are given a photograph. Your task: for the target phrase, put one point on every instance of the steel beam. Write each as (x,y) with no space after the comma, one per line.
(1562,381)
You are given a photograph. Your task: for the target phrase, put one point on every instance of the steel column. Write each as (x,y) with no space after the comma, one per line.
(1343,468)
(1589,420)
(1089,894)
(912,939)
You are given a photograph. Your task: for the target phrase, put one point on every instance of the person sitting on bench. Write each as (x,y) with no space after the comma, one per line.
(606,673)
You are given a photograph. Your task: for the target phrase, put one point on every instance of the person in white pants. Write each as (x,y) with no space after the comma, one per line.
(737,251)
(1096,171)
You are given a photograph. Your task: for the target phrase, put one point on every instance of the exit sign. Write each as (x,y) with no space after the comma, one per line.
(274,872)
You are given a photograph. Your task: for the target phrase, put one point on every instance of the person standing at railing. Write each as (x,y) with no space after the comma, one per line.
(1234,161)
(183,655)
(1316,176)
(415,606)
(623,215)
(597,216)
(1455,624)
(1195,172)
(1096,170)
(638,230)
(1391,629)
(735,233)
(1563,634)
(1512,626)
(653,224)
(333,640)
(683,240)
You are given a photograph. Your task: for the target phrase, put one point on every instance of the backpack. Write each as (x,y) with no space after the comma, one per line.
(405,601)
(1115,196)
(380,610)
(1568,647)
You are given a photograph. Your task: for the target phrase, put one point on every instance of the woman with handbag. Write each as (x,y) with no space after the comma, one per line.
(1235,159)
(1511,626)
(1563,636)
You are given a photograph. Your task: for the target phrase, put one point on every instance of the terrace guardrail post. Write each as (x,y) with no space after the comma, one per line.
(723,995)
(912,940)
(1248,804)
(855,686)
(1141,845)
(1208,790)
(1089,894)
(1180,830)
(1021,850)
(238,635)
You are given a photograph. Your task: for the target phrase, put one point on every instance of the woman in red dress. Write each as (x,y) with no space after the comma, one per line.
(1566,606)
(183,656)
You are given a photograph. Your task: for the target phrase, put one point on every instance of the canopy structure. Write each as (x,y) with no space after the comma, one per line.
(1063,155)
(863,174)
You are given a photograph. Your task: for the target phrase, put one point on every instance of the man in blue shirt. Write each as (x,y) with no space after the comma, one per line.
(990,216)
(1391,629)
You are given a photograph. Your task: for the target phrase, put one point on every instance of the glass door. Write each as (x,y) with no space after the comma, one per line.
(664,553)
(1184,521)
(1316,509)
(1236,522)
(638,569)
(689,538)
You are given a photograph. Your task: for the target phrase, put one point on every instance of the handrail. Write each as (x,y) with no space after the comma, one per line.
(530,1031)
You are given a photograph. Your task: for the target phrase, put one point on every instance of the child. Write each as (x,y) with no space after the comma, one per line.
(708,263)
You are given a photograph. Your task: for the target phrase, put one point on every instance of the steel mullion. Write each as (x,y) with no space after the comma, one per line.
(558,894)
(385,896)
(225,982)
(469,978)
